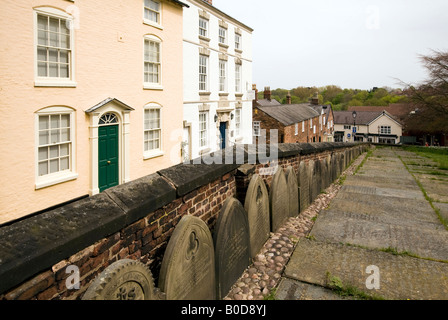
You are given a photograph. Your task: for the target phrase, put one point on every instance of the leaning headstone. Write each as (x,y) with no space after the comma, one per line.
(123,280)
(315,184)
(293,190)
(278,199)
(304,185)
(232,246)
(188,266)
(256,205)
(323,174)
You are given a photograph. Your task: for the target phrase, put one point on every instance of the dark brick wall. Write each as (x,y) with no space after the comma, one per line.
(131,221)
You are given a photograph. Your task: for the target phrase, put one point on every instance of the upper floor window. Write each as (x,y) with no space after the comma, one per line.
(152,63)
(55,146)
(203,73)
(386,130)
(53,48)
(222,75)
(347,127)
(238,45)
(222,35)
(203,27)
(303,126)
(152,12)
(296,129)
(238,78)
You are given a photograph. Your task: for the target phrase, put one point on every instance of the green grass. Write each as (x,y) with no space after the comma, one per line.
(438,155)
(368,155)
(349,291)
(425,194)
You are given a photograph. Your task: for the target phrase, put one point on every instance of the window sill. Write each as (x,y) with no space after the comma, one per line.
(152,155)
(204,38)
(52,180)
(239,51)
(55,83)
(223,45)
(148,86)
(152,24)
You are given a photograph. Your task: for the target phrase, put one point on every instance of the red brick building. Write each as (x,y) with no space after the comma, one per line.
(296,123)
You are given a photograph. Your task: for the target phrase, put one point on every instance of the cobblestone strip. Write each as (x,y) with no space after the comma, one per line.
(263,276)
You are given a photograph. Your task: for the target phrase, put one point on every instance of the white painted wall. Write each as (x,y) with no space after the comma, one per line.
(192,99)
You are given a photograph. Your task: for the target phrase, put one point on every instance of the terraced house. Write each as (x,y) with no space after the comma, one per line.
(91,93)
(217,80)
(294,123)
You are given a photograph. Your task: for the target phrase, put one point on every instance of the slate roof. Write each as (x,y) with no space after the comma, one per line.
(287,114)
(362,117)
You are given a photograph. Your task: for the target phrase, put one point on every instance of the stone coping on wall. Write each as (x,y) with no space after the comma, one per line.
(34,244)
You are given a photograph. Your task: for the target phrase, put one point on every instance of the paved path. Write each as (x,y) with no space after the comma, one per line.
(380,219)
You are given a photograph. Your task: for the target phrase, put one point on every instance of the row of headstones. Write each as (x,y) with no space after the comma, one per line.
(197,266)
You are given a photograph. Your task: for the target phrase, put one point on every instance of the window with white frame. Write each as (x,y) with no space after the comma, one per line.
(203,129)
(303,126)
(238,44)
(222,75)
(386,130)
(238,122)
(152,12)
(257,128)
(296,129)
(54,47)
(311,123)
(152,61)
(203,27)
(55,146)
(203,73)
(152,130)
(238,68)
(222,35)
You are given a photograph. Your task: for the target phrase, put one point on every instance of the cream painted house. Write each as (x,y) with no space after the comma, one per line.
(91,94)
(217,80)
(367,126)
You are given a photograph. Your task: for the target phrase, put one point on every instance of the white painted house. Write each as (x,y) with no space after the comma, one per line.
(217,80)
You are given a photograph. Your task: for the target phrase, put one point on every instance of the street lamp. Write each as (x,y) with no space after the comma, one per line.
(354,114)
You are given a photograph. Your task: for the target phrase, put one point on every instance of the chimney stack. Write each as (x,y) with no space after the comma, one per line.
(288,98)
(315,99)
(267,93)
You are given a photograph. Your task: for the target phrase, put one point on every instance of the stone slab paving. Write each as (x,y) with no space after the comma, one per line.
(380,207)
(400,277)
(290,289)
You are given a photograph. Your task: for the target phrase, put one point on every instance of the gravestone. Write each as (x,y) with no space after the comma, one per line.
(188,266)
(256,205)
(315,183)
(304,185)
(333,167)
(278,199)
(293,189)
(123,280)
(323,174)
(232,246)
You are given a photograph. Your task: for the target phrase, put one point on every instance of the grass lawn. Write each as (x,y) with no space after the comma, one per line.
(439,155)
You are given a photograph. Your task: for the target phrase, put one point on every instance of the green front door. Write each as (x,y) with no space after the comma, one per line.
(108,157)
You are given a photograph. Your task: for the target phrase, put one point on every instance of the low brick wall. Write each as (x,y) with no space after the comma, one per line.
(130,221)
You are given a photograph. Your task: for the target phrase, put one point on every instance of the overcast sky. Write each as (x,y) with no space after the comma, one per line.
(357,44)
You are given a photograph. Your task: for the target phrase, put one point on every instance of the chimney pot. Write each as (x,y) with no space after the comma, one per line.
(267,93)
(288,98)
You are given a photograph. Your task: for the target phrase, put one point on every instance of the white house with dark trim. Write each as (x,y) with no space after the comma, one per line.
(367,126)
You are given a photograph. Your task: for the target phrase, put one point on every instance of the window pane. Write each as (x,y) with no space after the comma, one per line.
(43,168)
(53,70)
(41,54)
(65,41)
(55,121)
(65,134)
(43,138)
(65,121)
(42,38)
(54,152)
(42,22)
(44,122)
(54,166)
(54,39)
(63,71)
(65,163)
(54,136)
(43,153)
(53,55)
(54,25)
(64,150)
(42,69)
